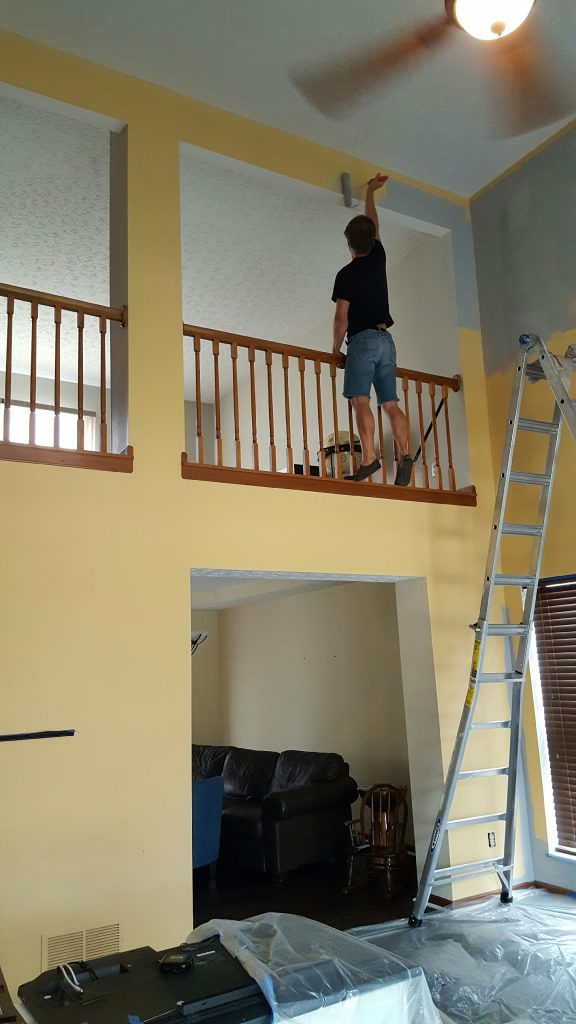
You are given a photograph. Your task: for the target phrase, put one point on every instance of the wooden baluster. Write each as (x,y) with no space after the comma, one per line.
(438,468)
(405,387)
(289,452)
(33,370)
(333,369)
(351,439)
(57,372)
(321,453)
(382,448)
(8,368)
(271,411)
(103,423)
(237,442)
(451,473)
(425,478)
(199,437)
(306,452)
(80,431)
(216,355)
(251,360)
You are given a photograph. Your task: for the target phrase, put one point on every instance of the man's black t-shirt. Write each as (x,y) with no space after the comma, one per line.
(364,285)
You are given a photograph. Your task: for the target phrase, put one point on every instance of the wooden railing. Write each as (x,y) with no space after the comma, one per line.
(55,375)
(271,414)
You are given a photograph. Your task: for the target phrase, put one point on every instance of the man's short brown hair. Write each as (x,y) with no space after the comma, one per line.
(361,234)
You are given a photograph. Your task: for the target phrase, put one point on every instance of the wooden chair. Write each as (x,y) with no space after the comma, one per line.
(377,837)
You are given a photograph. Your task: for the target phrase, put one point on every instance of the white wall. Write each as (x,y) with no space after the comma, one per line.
(207,717)
(318,671)
(208,431)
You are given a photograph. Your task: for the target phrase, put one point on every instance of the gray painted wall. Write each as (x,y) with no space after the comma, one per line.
(525,245)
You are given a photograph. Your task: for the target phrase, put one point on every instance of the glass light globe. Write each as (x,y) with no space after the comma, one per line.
(491,19)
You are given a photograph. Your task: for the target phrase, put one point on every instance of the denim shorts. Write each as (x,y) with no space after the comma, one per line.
(371,360)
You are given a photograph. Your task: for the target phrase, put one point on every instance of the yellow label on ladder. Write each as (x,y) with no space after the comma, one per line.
(475,657)
(470,693)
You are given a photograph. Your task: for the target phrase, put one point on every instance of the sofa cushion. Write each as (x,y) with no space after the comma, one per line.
(248,773)
(242,820)
(208,761)
(299,768)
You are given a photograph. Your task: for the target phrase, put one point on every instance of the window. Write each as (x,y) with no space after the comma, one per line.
(45,422)
(553,672)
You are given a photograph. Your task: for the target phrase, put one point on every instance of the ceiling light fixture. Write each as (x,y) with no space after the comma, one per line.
(489,19)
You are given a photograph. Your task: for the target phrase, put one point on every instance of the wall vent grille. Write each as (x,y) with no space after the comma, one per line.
(102,941)
(88,944)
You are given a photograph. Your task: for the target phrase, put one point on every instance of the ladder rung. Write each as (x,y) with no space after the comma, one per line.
(481,819)
(523,529)
(538,426)
(502,580)
(491,725)
(471,865)
(499,677)
(482,773)
(507,629)
(540,479)
(460,876)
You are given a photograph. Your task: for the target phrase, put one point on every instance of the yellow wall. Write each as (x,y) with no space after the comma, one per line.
(94,592)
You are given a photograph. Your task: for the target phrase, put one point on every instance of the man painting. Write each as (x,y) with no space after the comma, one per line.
(362,313)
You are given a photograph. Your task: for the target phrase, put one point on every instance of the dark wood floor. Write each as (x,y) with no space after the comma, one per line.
(314,892)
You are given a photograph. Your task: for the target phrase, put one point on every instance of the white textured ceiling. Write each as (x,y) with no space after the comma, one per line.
(432,124)
(259,251)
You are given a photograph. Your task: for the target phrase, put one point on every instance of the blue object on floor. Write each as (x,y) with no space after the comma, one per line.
(207,796)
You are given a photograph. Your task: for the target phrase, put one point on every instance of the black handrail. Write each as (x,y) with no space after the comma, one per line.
(47,734)
(427,434)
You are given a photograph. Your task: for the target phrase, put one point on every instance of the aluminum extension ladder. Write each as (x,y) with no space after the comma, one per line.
(545,367)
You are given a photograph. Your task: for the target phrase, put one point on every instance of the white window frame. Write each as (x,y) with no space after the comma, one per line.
(549,812)
(546,774)
(89,417)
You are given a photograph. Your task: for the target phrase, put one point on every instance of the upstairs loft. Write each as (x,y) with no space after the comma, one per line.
(256,412)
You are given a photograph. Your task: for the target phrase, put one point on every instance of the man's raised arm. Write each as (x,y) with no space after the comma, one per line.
(369,204)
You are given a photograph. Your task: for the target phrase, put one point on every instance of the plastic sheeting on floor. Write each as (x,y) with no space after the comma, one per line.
(315,974)
(492,964)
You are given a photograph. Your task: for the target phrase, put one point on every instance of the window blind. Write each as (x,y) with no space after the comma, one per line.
(555,627)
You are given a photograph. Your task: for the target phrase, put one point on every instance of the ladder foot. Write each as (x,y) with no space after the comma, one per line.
(415,922)
(506,897)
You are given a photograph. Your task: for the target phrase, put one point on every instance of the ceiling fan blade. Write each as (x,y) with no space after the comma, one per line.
(528,94)
(338,86)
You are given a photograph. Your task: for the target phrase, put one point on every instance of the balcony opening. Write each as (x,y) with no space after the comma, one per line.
(63,343)
(263,395)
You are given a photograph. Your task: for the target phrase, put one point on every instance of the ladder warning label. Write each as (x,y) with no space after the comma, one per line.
(470,693)
(435,834)
(475,657)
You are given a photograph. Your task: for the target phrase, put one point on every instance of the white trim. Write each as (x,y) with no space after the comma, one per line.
(567,857)
(549,812)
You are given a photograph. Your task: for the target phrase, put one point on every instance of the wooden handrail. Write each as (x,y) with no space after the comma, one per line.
(10,291)
(44,347)
(454,383)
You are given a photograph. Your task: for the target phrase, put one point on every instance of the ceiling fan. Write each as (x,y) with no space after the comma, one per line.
(526,96)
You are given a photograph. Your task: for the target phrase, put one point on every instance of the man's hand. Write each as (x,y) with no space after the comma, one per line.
(377,182)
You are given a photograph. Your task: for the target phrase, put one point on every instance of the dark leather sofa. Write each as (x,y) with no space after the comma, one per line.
(281,811)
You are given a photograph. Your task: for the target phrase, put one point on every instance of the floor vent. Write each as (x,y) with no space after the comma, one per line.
(89,944)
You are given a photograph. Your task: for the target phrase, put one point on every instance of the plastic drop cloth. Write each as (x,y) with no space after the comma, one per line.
(494,964)
(310,972)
